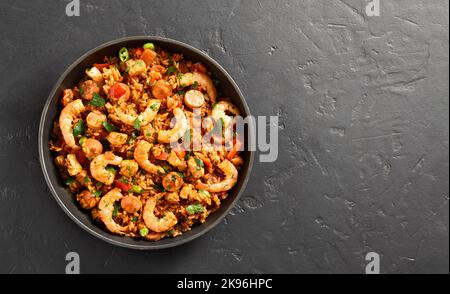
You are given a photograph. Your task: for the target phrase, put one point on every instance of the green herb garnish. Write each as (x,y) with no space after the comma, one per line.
(116,209)
(154,106)
(98,101)
(172,69)
(97,193)
(136,189)
(199,162)
(109,127)
(204,193)
(137,124)
(124,180)
(166,167)
(195,208)
(159,187)
(69,181)
(79,128)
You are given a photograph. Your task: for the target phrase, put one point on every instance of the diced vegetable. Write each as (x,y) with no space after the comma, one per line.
(98,101)
(199,162)
(195,208)
(79,128)
(117,90)
(137,189)
(137,124)
(204,193)
(123,186)
(97,193)
(109,127)
(149,46)
(81,141)
(69,181)
(172,69)
(143,232)
(116,209)
(123,54)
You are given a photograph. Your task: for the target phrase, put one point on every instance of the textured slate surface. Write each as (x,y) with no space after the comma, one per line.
(363,105)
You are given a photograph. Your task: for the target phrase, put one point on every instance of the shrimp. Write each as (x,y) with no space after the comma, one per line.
(203,80)
(141,156)
(73,166)
(144,118)
(181,125)
(106,208)
(98,167)
(154,223)
(231,175)
(219,109)
(68,114)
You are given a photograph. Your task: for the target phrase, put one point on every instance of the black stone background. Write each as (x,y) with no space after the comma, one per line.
(363,106)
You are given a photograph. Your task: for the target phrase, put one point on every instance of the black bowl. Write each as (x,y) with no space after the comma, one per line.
(71,77)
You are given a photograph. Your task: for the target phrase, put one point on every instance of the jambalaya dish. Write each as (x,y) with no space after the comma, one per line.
(117,143)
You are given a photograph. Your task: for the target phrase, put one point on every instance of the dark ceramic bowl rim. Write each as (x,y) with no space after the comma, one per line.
(105,236)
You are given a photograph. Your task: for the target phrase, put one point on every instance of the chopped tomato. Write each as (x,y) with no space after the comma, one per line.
(101,66)
(124,187)
(199,67)
(162,156)
(117,91)
(180,153)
